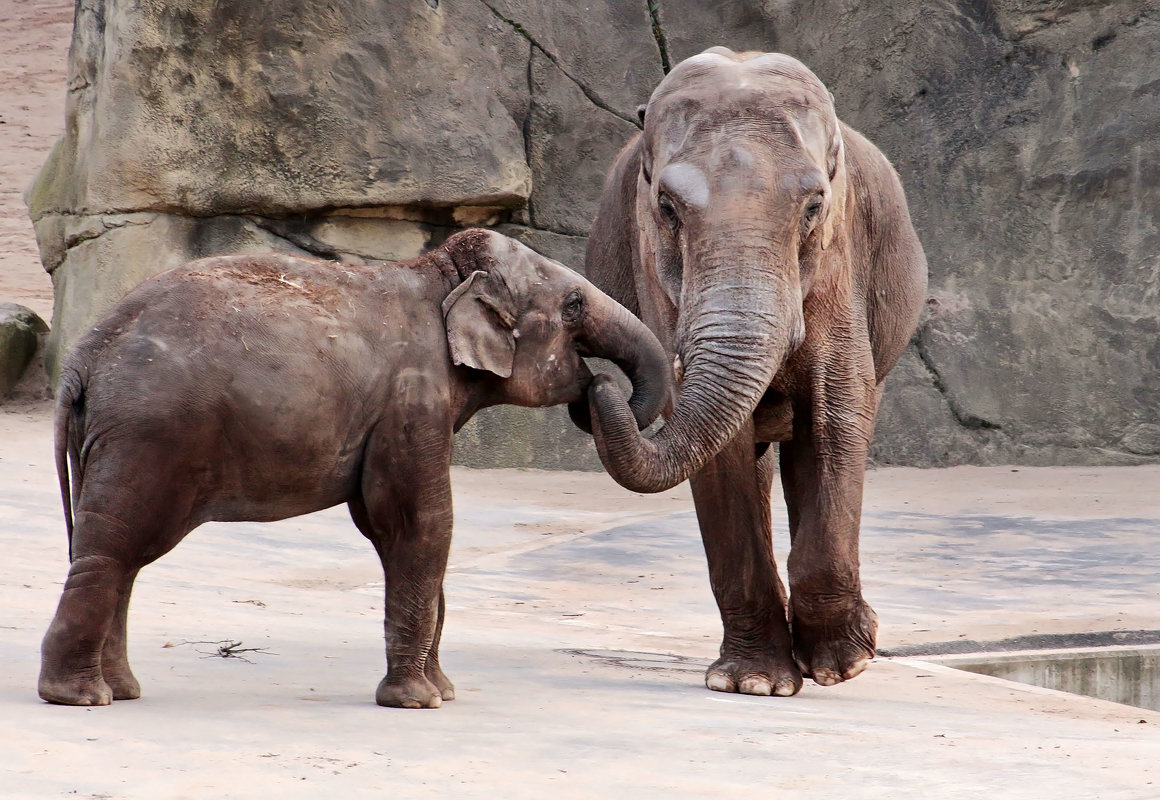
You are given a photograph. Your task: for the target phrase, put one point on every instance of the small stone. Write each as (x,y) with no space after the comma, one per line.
(20,329)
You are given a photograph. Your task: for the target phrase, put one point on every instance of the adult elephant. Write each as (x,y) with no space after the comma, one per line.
(769,247)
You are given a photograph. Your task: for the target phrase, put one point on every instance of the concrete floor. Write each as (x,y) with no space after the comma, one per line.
(579,623)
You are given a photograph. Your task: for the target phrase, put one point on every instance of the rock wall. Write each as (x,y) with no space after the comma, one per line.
(1025,132)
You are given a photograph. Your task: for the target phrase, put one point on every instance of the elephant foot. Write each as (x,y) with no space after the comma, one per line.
(79,690)
(408,693)
(836,649)
(435,675)
(121,681)
(763,674)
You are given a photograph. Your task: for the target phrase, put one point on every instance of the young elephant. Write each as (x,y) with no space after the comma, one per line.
(260,387)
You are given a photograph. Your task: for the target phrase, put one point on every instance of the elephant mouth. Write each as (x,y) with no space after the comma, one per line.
(578,410)
(583,378)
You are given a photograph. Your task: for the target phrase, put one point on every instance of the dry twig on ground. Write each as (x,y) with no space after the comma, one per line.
(225,648)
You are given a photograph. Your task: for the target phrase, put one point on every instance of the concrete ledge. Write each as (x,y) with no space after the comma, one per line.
(1128,675)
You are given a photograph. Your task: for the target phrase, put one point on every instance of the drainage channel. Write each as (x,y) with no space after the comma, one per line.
(1120,666)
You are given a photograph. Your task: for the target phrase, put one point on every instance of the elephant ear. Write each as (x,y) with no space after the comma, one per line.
(480,324)
(836,166)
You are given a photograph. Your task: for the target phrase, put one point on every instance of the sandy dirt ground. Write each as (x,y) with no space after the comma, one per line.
(579,625)
(36,36)
(579,622)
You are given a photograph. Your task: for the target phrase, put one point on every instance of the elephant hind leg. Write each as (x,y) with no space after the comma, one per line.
(70,655)
(129,518)
(114,654)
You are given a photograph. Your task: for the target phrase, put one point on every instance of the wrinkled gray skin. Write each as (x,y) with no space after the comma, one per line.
(770,249)
(260,387)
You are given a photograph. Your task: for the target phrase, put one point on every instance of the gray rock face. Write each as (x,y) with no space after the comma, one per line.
(1025,133)
(285,107)
(20,330)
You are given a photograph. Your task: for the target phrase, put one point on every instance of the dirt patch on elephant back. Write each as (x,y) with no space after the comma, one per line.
(273,277)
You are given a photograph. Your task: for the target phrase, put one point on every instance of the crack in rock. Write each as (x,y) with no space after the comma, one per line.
(553,231)
(77,238)
(526,130)
(965,418)
(299,239)
(589,93)
(658,32)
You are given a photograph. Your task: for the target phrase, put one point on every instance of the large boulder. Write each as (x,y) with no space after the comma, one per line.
(1024,132)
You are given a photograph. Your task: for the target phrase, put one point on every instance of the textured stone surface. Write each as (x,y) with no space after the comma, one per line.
(506,436)
(281,107)
(567,138)
(1025,133)
(606,49)
(20,331)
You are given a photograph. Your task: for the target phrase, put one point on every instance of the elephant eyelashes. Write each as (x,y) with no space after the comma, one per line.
(573,307)
(669,212)
(812,211)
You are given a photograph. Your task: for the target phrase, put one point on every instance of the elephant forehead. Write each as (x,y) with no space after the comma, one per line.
(727,128)
(686,182)
(525,272)
(719,71)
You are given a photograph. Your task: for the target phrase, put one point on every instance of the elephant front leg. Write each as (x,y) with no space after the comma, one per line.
(731,494)
(406,512)
(823,468)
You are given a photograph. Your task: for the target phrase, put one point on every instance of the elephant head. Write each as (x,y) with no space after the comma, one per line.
(739,195)
(529,321)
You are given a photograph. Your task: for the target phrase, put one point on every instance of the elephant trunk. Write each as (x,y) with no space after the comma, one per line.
(738,335)
(613,333)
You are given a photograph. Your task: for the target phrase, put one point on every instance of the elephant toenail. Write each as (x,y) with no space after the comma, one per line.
(856,668)
(826,677)
(785,688)
(720,683)
(756,685)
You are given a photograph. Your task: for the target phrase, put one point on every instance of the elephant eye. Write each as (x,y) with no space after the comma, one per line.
(669,211)
(573,306)
(811,213)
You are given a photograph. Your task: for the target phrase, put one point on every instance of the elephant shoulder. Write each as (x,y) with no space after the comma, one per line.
(611,256)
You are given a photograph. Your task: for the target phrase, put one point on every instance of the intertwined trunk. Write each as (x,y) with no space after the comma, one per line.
(741,317)
(613,333)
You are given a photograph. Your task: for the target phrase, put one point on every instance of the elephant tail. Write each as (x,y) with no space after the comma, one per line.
(70,403)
